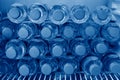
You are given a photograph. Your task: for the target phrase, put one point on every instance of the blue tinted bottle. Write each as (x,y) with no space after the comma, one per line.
(114,5)
(89,30)
(48,31)
(7,29)
(38,13)
(102,15)
(27,67)
(15,49)
(111,63)
(111,32)
(79,14)
(69,30)
(37,48)
(59,14)
(68,65)
(79,47)
(17,13)
(58,47)
(48,66)
(26,30)
(99,46)
(91,65)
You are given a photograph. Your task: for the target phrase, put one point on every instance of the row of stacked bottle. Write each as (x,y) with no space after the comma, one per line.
(53,40)
(89,65)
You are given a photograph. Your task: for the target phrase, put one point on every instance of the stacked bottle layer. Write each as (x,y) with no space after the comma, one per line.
(46,40)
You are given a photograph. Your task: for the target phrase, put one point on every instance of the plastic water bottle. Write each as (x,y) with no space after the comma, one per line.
(91,65)
(69,30)
(111,32)
(37,48)
(48,30)
(59,14)
(6,66)
(48,66)
(58,47)
(15,49)
(79,14)
(27,30)
(115,9)
(68,65)
(38,13)
(27,67)
(89,30)
(79,47)
(99,46)
(111,63)
(7,29)
(17,13)
(102,15)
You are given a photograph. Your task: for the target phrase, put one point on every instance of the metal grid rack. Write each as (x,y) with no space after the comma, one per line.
(77,76)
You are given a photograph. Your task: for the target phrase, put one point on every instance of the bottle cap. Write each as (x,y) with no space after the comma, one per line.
(95,69)
(68,68)
(115,67)
(46,69)
(34,52)
(24,70)
(102,14)
(46,32)
(23,33)
(101,48)
(57,50)
(14,13)
(80,50)
(7,32)
(35,14)
(113,32)
(90,31)
(79,14)
(11,52)
(68,32)
(58,15)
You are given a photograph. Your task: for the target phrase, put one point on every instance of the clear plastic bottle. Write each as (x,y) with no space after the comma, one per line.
(59,14)
(102,15)
(27,67)
(111,32)
(111,63)
(48,30)
(15,49)
(69,30)
(79,14)
(89,30)
(37,48)
(17,13)
(38,13)
(58,47)
(79,47)
(68,65)
(99,46)
(27,30)
(48,66)
(115,9)
(92,65)
(7,29)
